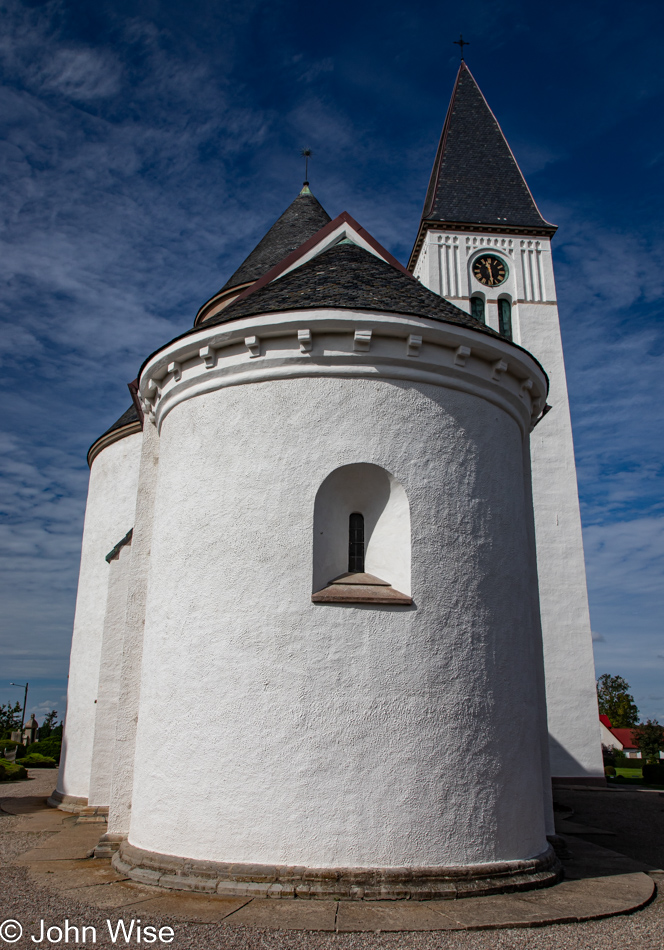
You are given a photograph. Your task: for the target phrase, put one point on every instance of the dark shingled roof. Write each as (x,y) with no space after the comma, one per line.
(475,177)
(128,418)
(131,415)
(300,221)
(348,277)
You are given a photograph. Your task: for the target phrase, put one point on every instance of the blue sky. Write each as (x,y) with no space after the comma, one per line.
(145,149)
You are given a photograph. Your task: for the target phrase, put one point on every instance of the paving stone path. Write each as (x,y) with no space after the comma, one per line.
(45,875)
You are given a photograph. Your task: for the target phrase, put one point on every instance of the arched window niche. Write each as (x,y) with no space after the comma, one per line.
(361,517)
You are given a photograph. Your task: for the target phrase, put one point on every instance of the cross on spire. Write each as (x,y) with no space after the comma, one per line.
(461,43)
(306,154)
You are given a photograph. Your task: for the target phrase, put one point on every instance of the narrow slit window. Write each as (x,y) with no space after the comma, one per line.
(505,318)
(356,543)
(477,308)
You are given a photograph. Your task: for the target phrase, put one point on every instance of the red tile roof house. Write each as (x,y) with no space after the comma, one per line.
(615,738)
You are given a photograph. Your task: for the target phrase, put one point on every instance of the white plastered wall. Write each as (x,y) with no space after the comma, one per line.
(108,691)
(444,266)
(109,514)
(334,732)
(132,640)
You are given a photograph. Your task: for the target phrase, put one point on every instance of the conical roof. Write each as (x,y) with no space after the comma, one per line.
(475,177)
(349,277)
(125,419)
(300,221)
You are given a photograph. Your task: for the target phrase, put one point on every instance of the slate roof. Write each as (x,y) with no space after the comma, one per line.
(348,277)
(131,415)
(303,218)
(127,418)
(475,177)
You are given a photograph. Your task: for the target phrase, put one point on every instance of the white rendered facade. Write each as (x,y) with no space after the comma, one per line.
(109,515)
(445,265)
(338,727)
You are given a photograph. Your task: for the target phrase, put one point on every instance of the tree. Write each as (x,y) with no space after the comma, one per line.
(46,728)
(10,719)
(616,702)
(649,738)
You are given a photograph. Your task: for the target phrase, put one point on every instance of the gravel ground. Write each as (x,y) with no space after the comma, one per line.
(21,899)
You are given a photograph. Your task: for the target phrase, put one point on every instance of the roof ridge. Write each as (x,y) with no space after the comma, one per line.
(328,229)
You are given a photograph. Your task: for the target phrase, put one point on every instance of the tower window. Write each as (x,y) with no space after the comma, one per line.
(477,308)
(356,543)
(505,318)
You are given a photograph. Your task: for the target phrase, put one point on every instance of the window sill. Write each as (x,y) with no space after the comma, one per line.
(360,589)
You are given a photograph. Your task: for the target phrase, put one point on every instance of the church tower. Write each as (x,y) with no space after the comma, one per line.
(484,246)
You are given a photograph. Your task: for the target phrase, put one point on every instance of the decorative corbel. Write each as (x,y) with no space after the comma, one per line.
(461,355)
(208,355)
(253,344)
(362,340)
(498,368)
(305,340)
(413,345)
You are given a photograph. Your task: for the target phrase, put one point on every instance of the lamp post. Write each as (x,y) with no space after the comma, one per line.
(25,701)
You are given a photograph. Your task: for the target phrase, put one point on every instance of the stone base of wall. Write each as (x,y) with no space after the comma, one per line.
(598,781)
(70,803)
(93,814)
(108,844)
(257,880)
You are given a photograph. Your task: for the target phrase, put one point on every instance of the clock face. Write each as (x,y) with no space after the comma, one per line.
(490,270)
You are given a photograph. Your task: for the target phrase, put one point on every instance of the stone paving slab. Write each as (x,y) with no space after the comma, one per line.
(600,883)
(66,874)
(287,914)
(112,896)
(34,808)
(74,841)
(503,910)
(354,916)
(195,908)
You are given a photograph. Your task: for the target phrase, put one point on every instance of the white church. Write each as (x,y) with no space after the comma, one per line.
(340,523)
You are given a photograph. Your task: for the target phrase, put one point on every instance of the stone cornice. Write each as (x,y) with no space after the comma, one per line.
(350,344)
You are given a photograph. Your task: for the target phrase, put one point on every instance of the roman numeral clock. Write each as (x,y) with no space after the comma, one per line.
(490,270)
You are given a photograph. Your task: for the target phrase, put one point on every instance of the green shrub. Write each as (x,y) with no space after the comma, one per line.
(50,747)
(609,770)
(653,774)
(37,761)
(10,771)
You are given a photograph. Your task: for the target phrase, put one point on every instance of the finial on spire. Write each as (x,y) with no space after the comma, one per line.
(461,43)
(306,154)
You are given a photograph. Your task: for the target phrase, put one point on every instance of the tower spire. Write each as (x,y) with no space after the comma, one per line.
(475,180)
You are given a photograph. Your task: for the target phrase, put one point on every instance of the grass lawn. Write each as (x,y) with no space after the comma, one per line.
(630,777)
